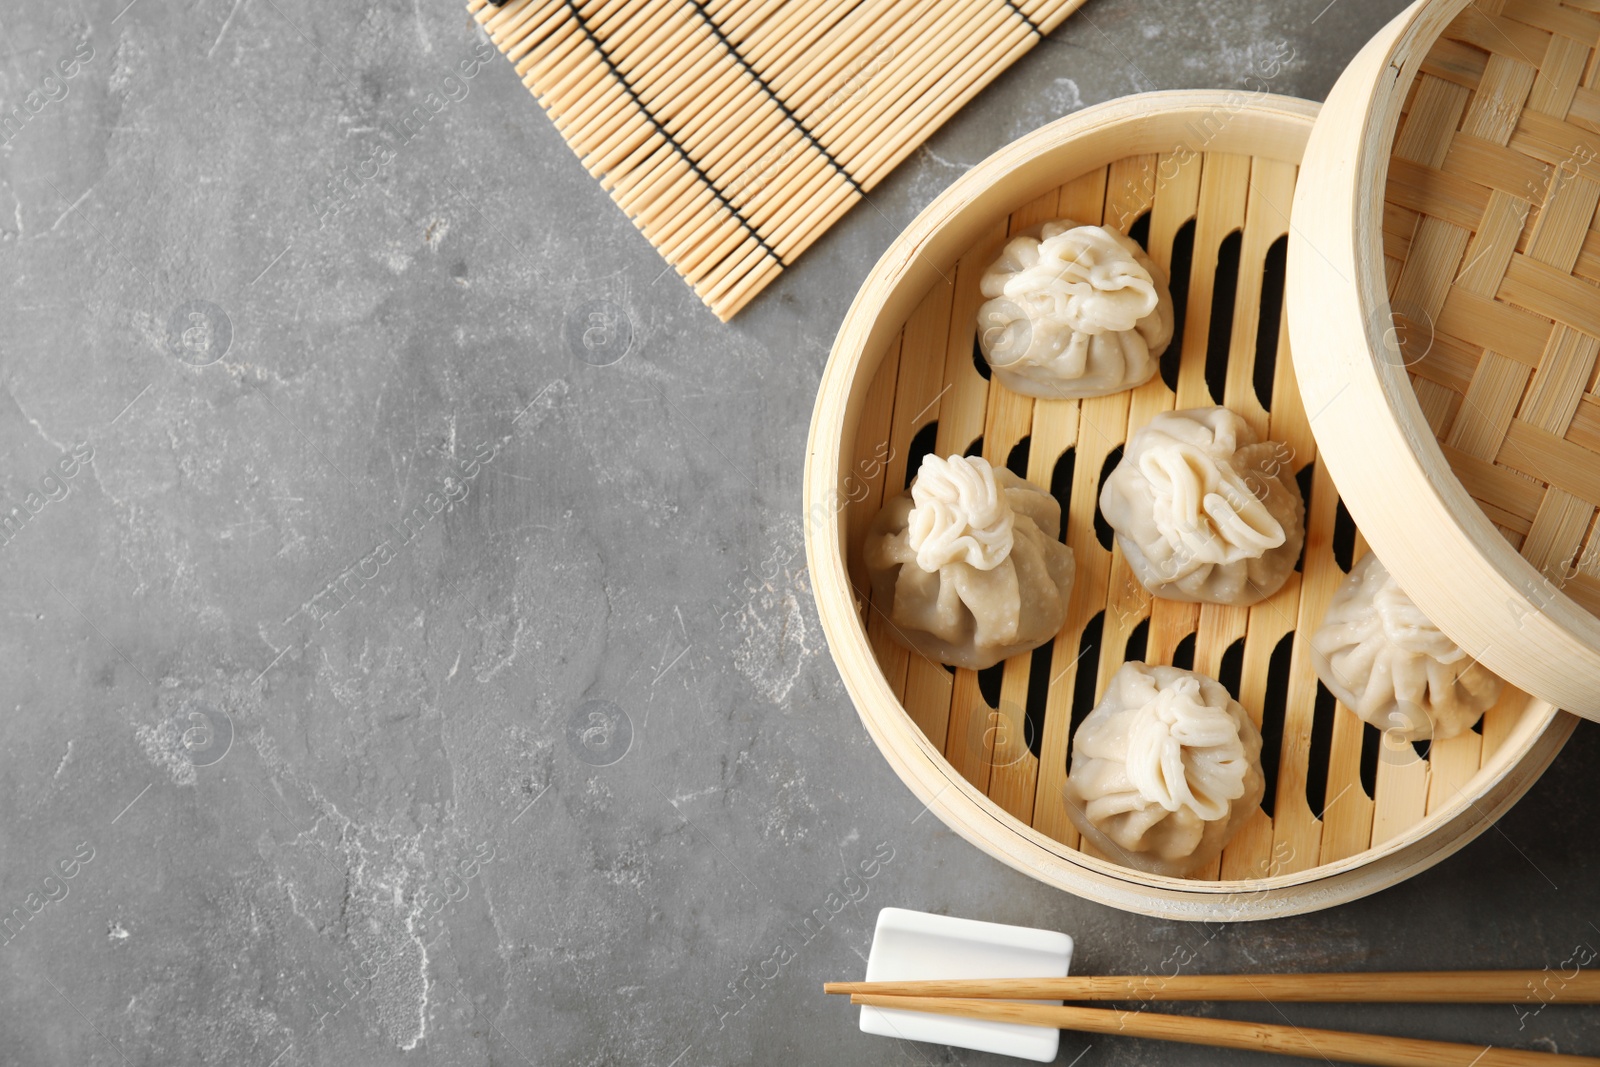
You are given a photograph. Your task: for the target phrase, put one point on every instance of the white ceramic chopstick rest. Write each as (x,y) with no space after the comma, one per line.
(910,945)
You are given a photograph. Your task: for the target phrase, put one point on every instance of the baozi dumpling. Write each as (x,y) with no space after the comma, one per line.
(967,563)
(1075,311)
(1203,510)
(1165,769)
(1381,656)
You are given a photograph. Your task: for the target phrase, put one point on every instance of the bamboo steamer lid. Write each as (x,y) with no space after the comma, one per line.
(1444,315)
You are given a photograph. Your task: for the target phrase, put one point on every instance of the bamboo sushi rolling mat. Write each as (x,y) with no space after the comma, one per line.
(735,132)
(1492,245)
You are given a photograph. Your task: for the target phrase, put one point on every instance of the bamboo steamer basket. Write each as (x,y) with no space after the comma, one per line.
(1205,180)
(1447,320)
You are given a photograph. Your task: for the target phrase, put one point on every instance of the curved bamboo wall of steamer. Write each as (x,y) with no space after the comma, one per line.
(735,132)
(972,758)
(1446,273)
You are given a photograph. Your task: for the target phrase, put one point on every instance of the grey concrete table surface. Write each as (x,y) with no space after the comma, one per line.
(390,677)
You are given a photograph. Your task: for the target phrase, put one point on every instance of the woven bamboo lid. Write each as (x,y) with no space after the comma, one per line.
(1444,295)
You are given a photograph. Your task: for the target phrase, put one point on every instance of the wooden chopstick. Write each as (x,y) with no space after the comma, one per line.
(1225,1033)
(1392,987)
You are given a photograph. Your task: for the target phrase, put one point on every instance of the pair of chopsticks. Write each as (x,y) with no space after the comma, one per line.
(990,999)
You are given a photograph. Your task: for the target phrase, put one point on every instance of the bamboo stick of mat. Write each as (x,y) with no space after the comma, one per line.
(735,132)
(1386,987)
(1337,1045)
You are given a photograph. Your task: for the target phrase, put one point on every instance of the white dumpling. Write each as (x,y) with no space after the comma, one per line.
(1381,656)
(1164,770)
(1203,510)
(1073,311)
(967,563)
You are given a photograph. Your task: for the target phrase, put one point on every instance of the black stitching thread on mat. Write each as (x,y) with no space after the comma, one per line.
(705,179)
(838,167)
(1021,14)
